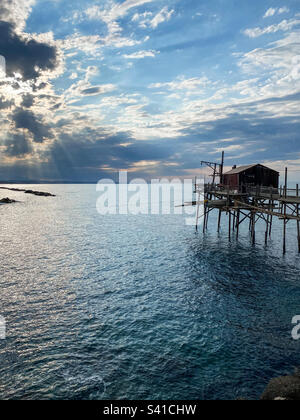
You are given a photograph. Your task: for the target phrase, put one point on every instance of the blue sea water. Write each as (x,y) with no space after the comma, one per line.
(139,307)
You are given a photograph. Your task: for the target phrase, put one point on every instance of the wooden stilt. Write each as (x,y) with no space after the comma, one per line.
(253,228)
(271,224)
(238,224)
(284,211)
(298,223)
(267,229)
(198,205)
(205,215)
(219,220)
(234,221)
(284,236)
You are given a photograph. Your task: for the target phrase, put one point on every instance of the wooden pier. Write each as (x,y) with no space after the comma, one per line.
(248,202)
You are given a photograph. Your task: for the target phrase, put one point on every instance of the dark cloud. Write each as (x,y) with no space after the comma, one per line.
(92,91)
(27,101)
(82,156)
(26,56)
(4,104)
(28,120)
(18,146)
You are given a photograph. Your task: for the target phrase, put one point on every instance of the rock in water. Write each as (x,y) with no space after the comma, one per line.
(41,194)
(7,201)
(283,388)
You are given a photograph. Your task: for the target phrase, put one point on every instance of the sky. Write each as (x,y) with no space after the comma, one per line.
(148,86)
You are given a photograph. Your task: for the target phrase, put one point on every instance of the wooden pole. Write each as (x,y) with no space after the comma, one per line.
(219,220)
(205,211)
(298,223)
(229,230)
(267,229)
(237,224)
(271,218)
(222,168)
(198,206)
(234,221)
(284,209)
(253,227)
(271,225)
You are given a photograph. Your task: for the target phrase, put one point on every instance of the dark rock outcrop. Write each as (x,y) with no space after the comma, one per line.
(7,201)
(39,193)
(283,388)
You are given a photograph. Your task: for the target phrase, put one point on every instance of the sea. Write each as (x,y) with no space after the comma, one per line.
(139,306)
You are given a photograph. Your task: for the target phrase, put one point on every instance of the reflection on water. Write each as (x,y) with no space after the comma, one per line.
(139,306)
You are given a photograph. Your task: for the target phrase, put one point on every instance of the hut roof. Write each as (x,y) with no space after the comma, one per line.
(241,169)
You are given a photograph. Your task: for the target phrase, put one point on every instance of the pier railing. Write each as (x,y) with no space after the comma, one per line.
(250,190)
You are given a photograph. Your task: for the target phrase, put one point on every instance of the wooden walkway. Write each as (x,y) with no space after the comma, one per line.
(249,203)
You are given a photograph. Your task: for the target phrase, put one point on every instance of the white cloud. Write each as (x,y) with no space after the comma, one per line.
(89,44)
(278,65)
(182,84)
(147,20)
(284,25)
(139,16)
(273,11)
(141,54)
(163,16)
(283,10)
(110,16)
(16,11)
(270,12)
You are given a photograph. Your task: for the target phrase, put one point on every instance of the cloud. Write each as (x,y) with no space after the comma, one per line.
(27,100)
(5,104)
(141,54)
(89,44)
(25,55)
(16,11)
(98,90)
(110,16)
(163,16)
(83,87)
(73,76)
(147,19)
(283,10)
(285,26)
(182,84)
(278,66)
(17,145)
(25,119)
(115,11)
(272,11)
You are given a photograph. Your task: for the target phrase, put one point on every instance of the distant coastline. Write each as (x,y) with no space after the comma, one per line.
(10,182)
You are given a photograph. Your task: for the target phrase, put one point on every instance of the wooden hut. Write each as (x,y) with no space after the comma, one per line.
(251,175)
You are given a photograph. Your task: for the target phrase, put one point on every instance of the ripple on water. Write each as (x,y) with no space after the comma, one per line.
(139,307)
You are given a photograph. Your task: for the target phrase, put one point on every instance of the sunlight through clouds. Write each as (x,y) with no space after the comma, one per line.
(168,80)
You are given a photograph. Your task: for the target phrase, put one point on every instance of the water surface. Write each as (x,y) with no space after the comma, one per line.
(139,307)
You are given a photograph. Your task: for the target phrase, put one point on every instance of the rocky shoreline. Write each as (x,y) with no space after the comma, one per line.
(38,193)
(7,201)
(284,388)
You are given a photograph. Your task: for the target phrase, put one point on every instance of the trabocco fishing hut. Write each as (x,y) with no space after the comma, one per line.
(248,193)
